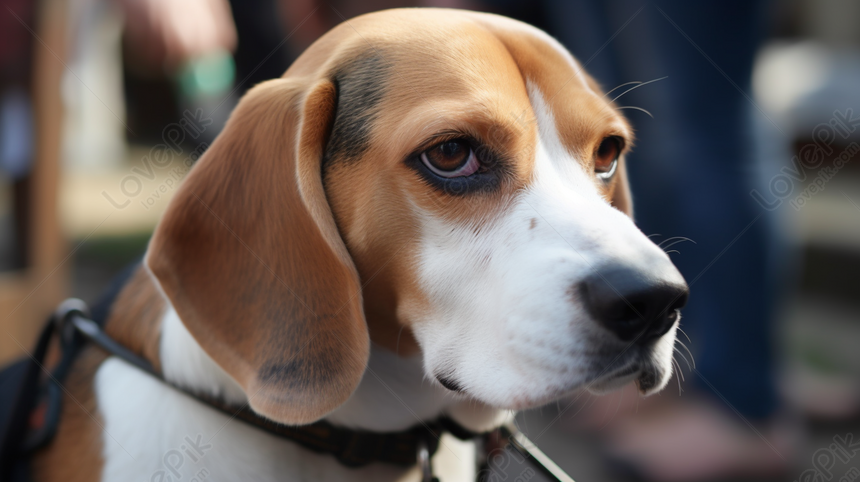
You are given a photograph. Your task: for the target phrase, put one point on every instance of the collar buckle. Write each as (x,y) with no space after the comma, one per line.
(424,462)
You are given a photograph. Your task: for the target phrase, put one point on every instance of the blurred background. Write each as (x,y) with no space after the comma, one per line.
(746,171)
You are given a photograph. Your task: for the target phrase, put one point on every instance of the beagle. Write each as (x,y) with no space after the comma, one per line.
(427,214)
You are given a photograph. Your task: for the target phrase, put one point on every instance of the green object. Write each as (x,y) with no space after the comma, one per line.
(210,74)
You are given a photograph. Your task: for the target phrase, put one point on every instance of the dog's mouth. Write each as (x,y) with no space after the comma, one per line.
(645,374)
(609,371)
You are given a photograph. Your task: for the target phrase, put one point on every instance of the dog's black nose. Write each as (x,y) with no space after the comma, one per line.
(635,303)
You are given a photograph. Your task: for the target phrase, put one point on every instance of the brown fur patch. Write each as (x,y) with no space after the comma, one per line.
(251,260)
(135,318)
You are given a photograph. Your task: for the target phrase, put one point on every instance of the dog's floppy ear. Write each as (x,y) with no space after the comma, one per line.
(621,197)
(250,257)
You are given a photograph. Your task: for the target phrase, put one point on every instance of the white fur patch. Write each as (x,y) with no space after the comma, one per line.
(186,364)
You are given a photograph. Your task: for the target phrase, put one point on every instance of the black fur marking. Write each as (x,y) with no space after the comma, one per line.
(304,350)
(307,366)
(450,383)
(360,86)
(647,379)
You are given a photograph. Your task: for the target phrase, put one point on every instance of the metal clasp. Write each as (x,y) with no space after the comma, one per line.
(66,310)
(424,461)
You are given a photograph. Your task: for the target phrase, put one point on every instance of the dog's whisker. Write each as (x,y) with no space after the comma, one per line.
(685,334)
(688,351)
(689,366)
(673,238)
(637,86)
(666,248)
(397,345)
(678,378)
(622,85)
(635,108)
(678,372)
(682,355)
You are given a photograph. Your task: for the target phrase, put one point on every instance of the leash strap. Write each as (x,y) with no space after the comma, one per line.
(528,449)
(24,380)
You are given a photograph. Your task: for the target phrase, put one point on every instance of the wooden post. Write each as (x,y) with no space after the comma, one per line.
(28,296)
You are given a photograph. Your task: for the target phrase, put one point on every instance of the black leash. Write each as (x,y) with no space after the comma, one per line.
(353,448)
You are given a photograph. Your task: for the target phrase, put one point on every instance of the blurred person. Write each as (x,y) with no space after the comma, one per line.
(276,32)
(691,172)
(186,39)
(165,33)
(273,33)
(183,52)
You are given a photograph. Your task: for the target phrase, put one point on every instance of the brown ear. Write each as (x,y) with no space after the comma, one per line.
(621,197)
(249,255)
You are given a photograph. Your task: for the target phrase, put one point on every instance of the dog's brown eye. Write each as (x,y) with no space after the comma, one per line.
(606,157)
(451,159)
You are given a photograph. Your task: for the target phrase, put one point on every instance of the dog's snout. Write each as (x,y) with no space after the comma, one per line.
(634,303)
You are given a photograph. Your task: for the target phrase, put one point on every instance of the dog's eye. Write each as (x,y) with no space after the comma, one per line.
(449,159)
(606,157)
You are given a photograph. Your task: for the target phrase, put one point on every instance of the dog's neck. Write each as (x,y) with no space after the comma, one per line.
(146,420)
(393,395)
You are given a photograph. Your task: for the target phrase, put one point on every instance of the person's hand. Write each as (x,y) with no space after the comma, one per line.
(165,33)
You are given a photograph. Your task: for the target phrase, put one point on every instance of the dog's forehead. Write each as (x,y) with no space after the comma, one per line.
(404,75)
(466,82)
(449,67)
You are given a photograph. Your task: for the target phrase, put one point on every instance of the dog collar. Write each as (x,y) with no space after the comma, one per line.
(351,447)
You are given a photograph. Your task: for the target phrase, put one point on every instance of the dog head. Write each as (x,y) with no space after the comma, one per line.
(438,181)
